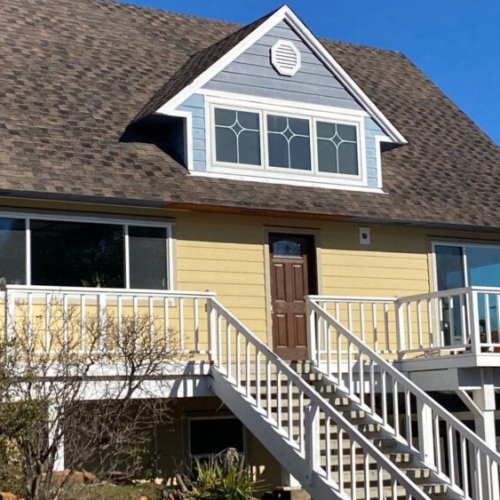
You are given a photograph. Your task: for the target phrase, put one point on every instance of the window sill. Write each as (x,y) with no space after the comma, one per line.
(310,181)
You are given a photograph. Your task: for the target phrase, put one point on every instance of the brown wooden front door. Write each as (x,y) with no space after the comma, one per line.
(293,275)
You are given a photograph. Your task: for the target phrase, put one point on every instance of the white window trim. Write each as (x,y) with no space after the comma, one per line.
(215,417)
(125,222)
(462,244)
(268,173)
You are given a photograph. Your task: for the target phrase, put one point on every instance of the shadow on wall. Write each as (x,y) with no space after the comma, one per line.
(164,132)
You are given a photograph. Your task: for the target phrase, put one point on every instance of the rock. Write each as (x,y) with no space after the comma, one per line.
(143,497)
(7,496)
(120,478)
(88,477)
(78,478)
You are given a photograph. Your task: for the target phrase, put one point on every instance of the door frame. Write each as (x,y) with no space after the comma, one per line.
(316,235)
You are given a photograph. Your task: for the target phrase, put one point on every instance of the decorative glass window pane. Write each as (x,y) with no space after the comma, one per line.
(289,142)
(77,254)
(12,252)
(237,137)
(287,248)
(337,148)
(148,257)
(213,435)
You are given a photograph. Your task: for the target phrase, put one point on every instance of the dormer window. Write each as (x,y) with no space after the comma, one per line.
(237,137)
(273,142)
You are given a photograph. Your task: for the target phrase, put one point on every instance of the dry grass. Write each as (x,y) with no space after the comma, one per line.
(112,492)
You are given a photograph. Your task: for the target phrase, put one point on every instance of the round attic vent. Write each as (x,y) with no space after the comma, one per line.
(285,58)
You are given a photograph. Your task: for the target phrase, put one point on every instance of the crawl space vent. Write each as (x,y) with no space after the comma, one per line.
(285,58)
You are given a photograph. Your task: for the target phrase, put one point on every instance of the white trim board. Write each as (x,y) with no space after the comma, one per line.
(286,14)
(286,181)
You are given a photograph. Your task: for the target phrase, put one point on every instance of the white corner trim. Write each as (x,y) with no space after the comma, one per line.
(286,14)
(288,182)
(285,57)
(188,134)
(378,152)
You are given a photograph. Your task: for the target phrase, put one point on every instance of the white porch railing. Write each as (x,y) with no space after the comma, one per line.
(469,466)
(247,362)
(462,320)
(46,312)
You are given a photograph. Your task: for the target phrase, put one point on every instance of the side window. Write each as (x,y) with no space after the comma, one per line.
(337,148)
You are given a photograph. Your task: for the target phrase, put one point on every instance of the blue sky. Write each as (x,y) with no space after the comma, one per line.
(455,42)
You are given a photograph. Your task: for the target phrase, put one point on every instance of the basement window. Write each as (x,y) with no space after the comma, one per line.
(212,435)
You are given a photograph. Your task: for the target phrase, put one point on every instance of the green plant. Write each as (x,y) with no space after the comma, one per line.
(223,477)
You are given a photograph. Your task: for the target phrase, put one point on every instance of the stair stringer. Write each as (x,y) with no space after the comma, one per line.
(276,441)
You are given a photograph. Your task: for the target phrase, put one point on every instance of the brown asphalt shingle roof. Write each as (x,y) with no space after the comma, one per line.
(76,72)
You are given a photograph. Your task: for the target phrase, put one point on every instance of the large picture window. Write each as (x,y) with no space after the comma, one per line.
(279,143)
(45,251)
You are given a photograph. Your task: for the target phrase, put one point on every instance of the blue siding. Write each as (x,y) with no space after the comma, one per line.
(196,106)
(371,130)
(252,74)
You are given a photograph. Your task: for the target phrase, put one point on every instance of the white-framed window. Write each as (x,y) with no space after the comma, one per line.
(285,143)
(211,435)
(53,250)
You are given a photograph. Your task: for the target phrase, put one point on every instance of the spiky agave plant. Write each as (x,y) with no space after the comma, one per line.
(224,477)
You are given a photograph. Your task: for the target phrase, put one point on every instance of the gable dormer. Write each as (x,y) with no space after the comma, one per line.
(270,104)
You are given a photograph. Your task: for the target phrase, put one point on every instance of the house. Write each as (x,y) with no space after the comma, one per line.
(298,209)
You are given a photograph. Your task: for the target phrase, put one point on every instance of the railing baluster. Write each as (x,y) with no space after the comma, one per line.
(289,389)
(409,325)
(196,325)
(408,420)
(487,319)
(83,322)
(328,446)
(182,331)
(301,423)
(247,369)
(257,379)
(419,325)
(375,327)
(362,321)
(268,388)
(386,328)
(429,324)
(279,402)
(465,469)
(238,358)
(228,348)
(383,395)
(151,311)
(437,440)
(395,405)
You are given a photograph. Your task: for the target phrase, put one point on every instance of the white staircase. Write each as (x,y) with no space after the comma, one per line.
(385,444)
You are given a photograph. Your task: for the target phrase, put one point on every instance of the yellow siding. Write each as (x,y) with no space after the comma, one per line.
(226,254)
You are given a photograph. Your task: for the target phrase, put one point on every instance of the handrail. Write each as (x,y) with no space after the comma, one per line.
(106,291)
(432,403)
(316,399)
(424,401)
